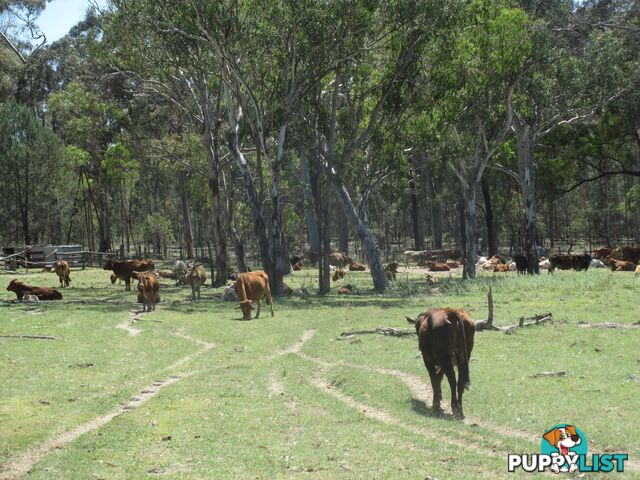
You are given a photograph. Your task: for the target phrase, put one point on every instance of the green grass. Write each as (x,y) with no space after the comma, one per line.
(242,410)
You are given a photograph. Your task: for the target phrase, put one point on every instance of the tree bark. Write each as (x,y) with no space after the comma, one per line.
(186,215)
(215,178)
(343,232)
(312,225)
(380,282)
(219,231)
(103,221)
(282,266)
(324,271)
(238,243)
(460,233)
(259,224)
(492,242)
(526,171)
(436,211)
(415,219)
(469,270)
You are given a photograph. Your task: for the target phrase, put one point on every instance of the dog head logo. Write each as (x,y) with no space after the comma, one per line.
(563,438)
(564,448)
(566,441)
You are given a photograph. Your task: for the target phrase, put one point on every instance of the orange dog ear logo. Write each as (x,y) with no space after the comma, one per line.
(552,436)
(571,429)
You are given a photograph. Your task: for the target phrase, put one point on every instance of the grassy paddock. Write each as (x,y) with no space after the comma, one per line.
(254,407)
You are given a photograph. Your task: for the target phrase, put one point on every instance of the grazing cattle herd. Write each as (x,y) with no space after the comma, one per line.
(619,259)
(445,335)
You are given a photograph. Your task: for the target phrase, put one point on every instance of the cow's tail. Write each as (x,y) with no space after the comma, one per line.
(463,363)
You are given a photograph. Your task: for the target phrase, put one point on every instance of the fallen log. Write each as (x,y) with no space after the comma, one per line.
(488,323)
(538,319)
(36,337)
(560,373)
(387,331)
(607,325)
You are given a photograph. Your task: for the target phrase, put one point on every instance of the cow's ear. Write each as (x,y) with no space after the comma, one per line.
(239,306)
(411,320)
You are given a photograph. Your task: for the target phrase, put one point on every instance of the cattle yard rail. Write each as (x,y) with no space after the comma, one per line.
(46,259)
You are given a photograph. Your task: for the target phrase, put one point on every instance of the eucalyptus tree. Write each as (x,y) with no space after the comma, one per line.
(577,64)
(16,18)
(32,162)
(306,44)
(374,46)
(474,77)
(91,123)
(174,66)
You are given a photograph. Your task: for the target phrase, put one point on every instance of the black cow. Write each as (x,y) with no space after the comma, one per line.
(521,263)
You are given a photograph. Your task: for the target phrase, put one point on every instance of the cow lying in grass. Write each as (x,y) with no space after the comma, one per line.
(445,338)
(253,287)
(622,266)
(357,267)
(439,267)
(22,290)
(339,274)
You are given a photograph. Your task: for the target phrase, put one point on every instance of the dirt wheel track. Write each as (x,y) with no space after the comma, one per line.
(421,392)
(21,464)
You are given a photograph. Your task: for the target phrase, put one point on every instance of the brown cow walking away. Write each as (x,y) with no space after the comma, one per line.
(253,287)
(62,270)
(445,338)
(43,293)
